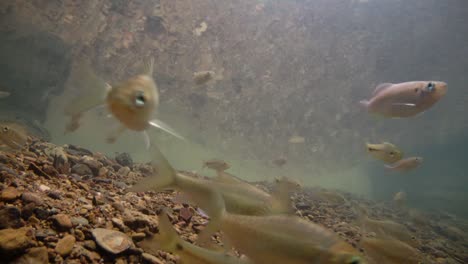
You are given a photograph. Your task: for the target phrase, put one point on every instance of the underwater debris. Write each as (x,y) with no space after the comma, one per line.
(296,140)
(203,77)
(4,94)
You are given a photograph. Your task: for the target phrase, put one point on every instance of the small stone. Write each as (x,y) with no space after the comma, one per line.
(65,245)
(42,234)
(119,224)
(36,255)
(41,213)
(138,236)
(55,195)
(62,222)
(9,194)
(79,235)
(303,206)
(123,171)
(29,197)
(90,244)
(186,214)
(13,241)
(103,171)
(78,220)
(93,164)
(112,241)
(81,169)
(10,216)
(44,188)
(151,259)
(124,159)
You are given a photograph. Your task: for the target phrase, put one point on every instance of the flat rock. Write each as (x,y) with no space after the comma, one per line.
(65,245)
(13,241)
(9,194)
(79,220)
(112,241)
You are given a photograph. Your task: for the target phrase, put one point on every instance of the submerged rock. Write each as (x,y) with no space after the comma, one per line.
(112,241)
(13,241)
(65,245)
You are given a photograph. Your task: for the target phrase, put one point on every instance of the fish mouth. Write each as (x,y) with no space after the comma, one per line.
(443,88)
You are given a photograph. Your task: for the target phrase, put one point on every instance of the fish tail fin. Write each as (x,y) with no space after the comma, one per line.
(166,128)
(216,209)
(165,177)
(281,196)
(91,90)
(167,240)
(364,103)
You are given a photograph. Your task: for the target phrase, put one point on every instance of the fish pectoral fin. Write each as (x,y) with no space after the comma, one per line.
(112,137)
(147,140)
(405,104)
(163,126)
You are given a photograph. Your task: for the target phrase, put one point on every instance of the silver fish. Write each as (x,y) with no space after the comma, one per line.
(405,165)
(404,99)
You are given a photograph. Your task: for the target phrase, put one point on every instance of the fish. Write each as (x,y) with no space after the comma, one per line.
(132,102)
(399,198)
(4,94)
(405,165)
(203,77)
(280,162)
(168,240)
(406,99)
(239,196)
(278,238)
(296,140)
(13,135)
(216,164)
(390,251)
(385,152)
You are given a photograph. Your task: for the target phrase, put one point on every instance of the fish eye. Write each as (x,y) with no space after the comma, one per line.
(140,99)
(5,129)
(416,90)
(354,260)
(430,86)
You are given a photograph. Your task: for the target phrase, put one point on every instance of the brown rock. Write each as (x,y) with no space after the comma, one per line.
(9,194)
(10,216)
(65,245)
(13,241)
(36,255)
(123,171)
(29,197)
(62,222)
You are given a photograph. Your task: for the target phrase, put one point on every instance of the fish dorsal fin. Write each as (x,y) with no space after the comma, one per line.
(381,87)
(148,67)
(225,177)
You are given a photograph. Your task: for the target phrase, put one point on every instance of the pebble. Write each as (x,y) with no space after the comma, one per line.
(10,216)
(44,188)
(151,259)
(93,164)
(62,222)
(123,171)
(29,197)
(124,159)
(79,220)
(9,194)
(65,245)
(13,241)
(112,241)
(81,169)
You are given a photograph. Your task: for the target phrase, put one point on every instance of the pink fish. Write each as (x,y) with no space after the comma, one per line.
(404,99)
(405,165)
